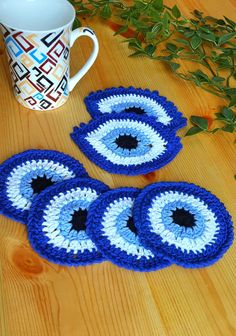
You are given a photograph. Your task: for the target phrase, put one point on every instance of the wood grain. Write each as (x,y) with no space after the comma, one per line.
(39,298)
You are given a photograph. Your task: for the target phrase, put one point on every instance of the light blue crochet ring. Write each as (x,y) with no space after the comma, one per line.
(126,143)
(111,227)
(138,101)
(184,222)
(26,174)
(57,226)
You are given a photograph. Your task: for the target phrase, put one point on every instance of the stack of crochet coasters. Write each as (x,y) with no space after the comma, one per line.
(133,131)
(75,220)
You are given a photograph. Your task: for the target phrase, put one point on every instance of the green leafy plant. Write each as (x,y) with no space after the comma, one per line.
(204,44)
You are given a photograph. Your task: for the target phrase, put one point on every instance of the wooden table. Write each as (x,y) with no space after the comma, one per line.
(38,298)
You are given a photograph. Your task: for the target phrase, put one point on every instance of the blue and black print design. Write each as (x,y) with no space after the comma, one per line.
(57,226)
(184,222)
(26,174)
(138,101)
(111,227)
(127,144)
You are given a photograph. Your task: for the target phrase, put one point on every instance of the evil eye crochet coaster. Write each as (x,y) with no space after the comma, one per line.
(136,101)
(58,219)
(26,174)
(111,227)
(186,223)
(127,144)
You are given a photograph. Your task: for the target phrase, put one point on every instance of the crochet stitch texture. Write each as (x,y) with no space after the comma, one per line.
(111,227)
(184,222)
(57,224)
(137,101)
(127,144)
(26,174)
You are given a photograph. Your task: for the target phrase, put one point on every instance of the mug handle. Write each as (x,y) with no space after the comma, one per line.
(83,31)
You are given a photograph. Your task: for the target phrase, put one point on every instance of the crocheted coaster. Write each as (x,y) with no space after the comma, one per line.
(127,144)
(136,101)
(186,223)
(58,220)
(111,227)
(26,174)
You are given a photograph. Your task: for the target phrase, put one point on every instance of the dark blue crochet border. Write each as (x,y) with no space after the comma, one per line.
(113,254)
(154,242)
(6,167)
(91,102)
(174,145)
(37,238)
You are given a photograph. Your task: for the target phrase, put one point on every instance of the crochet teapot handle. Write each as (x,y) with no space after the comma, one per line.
(83,31)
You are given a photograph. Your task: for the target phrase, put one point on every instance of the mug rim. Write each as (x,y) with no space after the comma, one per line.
(38,31)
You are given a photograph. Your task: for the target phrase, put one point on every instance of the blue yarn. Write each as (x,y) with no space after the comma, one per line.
(105,159)
(48,222)
(8,167)
(143,143)
(94,98)
(107,243)
(158,240)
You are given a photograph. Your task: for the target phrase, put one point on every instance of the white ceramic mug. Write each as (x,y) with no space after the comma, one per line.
(38,36)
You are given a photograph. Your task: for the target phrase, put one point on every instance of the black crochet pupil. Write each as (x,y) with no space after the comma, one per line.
(131,226)
(137,110)
(78,221)
(40,183)
(127,142)
(183,217)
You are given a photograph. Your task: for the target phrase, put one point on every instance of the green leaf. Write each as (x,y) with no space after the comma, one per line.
(182,41)
(220,116)
(227,113)
(172,47)
(138,24)
(150,49)
(208,37)
(193,130)
(232,101)
(150,36)
(230,22)
(197,14)
(76,24)
(174,66)
(204,29)
(133,43)
(165,58)
(201,76)
(189,33)
(220,22)
(225,38)
(218,79)
(157,27)
(106,12)
(228,128)
(215,130)
(176,12)
(195,41)
(200,122)
(122,29)
(165,23)
(158,4)
(231,91)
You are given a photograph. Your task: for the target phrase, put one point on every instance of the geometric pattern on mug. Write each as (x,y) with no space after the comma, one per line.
(39,66)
